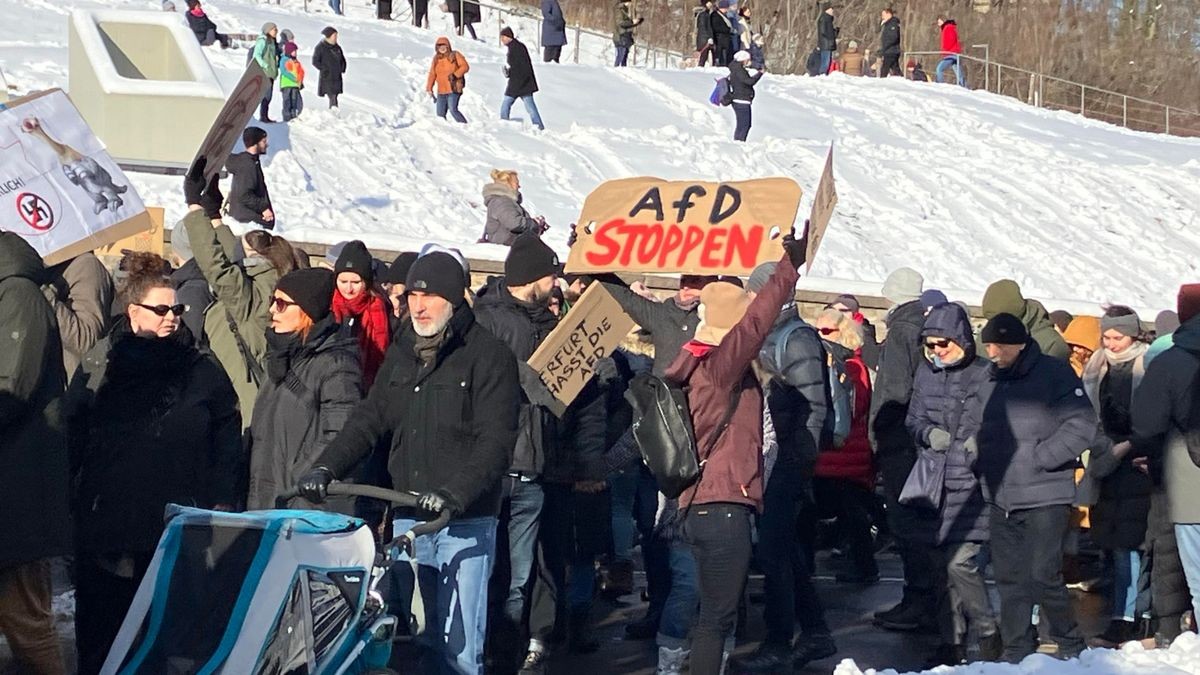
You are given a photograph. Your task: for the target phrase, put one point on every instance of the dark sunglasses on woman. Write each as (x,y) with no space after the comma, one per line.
(937,344)
(161,310)
(279,305)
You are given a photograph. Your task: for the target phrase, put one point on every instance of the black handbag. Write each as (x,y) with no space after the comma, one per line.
(926,481)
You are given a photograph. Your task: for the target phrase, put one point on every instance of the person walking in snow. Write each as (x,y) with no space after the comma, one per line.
(702,16)
(449,72)
(554,31)
(951,51)
(329,60)
(291,82)
(827,35)
(203,27)
(522,83)
(889,43)
(741,83)
(266,54)
(623,25)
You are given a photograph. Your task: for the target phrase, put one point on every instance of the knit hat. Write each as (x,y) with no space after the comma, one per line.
(528,260)
(1128,325)
(722,305)
(1003,297)
(932,298)
(741,55)
(507,32)
(328,31)
(760,276)
(1084,331)
(1061,318)
(287,35)
(252,135)
(903,285)
(848,301)
(438,273)
(1004,329)
(1166,322)
(1187,304)
(397,273)
(356,258)
(312,289)
(268,27)
(289,49)
(179,242)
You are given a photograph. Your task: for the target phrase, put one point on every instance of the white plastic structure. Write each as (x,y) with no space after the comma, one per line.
(143,84)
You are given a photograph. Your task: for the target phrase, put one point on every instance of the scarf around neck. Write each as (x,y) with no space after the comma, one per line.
(373,332)
(1097,367)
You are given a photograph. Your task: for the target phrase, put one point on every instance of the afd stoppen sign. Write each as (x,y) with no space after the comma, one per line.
(689,227)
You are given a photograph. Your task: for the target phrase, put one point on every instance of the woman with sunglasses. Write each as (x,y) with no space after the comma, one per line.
(153,422)
(943,417)
(313,380)
(844,477)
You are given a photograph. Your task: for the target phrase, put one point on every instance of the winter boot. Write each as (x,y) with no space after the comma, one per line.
(670,661)
(811,648)
(617,580)
(907,616)
(1118,633)
(768,658)
(990,647)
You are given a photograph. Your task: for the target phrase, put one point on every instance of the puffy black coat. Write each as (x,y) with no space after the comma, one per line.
(1119,515)
(329,60)
(33,445)
(870,347)
(946,398)
(720,25)
(248,194)
(669,325)
(899,357)
(798,392)
(200,25)
(521,80)
(153,422)
(741,82)
(297,417)
(704,29)
(889,37)
(1169,595)
(523,327)
(582,440)
(453,423)
(1036,423)
(827,33)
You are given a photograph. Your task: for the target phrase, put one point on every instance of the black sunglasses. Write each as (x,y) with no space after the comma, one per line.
(280,305)
(937,344)
(161,310)
(829,331)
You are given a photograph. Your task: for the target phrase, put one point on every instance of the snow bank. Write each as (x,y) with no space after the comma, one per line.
(966,187)
(1132,659)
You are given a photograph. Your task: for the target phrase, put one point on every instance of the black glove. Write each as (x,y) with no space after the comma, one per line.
(193,181)
(796,249)
(314,485)
(207,196)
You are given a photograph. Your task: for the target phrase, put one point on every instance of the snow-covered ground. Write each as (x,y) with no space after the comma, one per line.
(963,186)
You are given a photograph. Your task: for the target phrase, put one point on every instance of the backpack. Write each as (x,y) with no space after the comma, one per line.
(722,93)
(813,64)
(662,427)
(841,400)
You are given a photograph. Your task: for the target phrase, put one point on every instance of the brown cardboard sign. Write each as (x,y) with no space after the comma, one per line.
(824,200)
(147,241)
(236,113)
(690,227)
(566,359)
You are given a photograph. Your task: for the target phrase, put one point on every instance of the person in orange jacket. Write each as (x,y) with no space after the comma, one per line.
(448,71)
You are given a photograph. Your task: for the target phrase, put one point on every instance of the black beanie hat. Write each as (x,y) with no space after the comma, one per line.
(439,274)
(397,273)
(1004,329)
(528,260)
(312,289)
(356,258)
(328,30)
(507,32)
(252,135)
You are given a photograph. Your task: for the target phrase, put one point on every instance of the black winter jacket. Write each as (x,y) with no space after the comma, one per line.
(329,60)
(191,289)
(722,29)
(741,82)
(827,33)
(704,30)
(33,446)
(889,37)
(581,443)
(521,80)
(200,25)
(1036,421)
(153,422)
(297,417)
(453,423)
(1120,513)
(248,194)
(899,357)
(670,326)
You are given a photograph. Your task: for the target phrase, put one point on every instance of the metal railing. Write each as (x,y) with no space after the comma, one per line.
(1055,93)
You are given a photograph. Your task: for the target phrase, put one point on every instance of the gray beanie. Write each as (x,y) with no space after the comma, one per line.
(1128,325)
(179,242)
(287,35)
(1166,322)
(268,27)
(760,276)
(334,252)
(903,285)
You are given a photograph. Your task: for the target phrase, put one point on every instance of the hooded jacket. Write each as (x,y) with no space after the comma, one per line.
(81,293)
(506,218)
(899,357)
(623,25)
(946,397)
(266,52)
(33,450)
(1036,421)
(447,72)
(1083,331)
(1004,297)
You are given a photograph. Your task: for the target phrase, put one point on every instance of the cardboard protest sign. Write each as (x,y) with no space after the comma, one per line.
(593,328)
(227,128)
(59,188)
(653,225)
(824,199)
(148,241)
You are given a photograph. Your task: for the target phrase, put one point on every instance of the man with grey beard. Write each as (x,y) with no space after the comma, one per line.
(447,395)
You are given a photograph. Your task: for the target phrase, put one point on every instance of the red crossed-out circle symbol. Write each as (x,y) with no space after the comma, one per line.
(35,211)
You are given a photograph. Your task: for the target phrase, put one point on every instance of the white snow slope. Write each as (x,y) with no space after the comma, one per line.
(963,186)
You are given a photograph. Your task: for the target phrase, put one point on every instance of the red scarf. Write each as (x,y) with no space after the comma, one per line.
(373,332)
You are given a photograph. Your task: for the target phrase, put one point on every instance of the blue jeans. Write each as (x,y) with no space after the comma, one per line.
(336,6)
(454,566)
(1188,538)
(623,488)
(1127,567)
(826,60)
(525,501)
(622,58)
(293,103)
(679,612)
(449,103)
(741,113)
(950,61)
(534,115)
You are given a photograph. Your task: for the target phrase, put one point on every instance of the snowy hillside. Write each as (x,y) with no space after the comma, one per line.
(965,187)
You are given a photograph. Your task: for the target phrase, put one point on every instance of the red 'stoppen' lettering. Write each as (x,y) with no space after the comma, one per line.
(664,246)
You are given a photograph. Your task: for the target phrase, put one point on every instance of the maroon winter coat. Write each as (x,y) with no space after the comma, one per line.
(853,461)
(733,470)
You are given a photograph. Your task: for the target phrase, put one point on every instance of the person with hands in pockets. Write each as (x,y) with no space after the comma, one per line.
(448,71)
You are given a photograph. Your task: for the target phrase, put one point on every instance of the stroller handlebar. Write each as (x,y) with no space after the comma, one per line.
(341,489)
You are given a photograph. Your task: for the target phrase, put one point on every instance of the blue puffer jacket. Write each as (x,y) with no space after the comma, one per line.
(1036,422)
(947,398)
